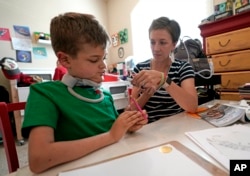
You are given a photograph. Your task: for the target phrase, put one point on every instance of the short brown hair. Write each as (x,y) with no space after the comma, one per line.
(71,30)
(169,25)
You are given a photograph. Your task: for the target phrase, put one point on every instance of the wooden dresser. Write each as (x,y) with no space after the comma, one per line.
(227,42)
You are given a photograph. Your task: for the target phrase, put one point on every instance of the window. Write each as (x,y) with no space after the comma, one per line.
(189,15)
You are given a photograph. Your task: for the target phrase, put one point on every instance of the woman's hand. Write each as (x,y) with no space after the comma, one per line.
(148,80)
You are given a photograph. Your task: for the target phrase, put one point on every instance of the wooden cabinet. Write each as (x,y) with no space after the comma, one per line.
(230,61)
(232,80)
(227,42)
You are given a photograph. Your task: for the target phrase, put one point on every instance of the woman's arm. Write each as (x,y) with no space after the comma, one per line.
(185,95)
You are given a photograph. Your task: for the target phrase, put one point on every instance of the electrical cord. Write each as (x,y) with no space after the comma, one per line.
(211,70)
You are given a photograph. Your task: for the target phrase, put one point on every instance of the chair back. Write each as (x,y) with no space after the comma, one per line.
(7,133)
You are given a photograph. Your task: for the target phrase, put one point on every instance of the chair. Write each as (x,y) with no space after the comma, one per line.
(7,133)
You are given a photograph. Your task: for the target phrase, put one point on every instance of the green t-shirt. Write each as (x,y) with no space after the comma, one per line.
(51,104)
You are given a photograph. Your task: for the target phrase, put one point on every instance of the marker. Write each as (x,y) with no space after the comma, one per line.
(138,107)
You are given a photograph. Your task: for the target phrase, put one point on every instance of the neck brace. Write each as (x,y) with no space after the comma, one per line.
(71,81)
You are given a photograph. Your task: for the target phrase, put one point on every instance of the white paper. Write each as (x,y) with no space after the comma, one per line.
(21,44)
(146,163)
(224,143)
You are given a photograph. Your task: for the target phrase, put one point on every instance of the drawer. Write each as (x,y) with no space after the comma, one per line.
(233,61)
(232,80)
(230,41)
(230,96)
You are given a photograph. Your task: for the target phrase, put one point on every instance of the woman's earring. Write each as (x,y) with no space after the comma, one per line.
(171,55)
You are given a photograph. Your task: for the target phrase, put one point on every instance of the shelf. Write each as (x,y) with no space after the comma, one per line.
(228,24)
(232,23)
(46,42)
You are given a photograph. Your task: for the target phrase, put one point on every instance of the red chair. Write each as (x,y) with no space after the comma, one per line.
(7,133)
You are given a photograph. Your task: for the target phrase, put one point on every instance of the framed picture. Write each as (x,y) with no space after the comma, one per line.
(115,39)
(23,56)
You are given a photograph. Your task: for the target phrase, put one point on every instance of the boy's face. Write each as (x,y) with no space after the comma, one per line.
(88,64)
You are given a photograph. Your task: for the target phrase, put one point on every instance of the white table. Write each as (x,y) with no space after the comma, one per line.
(164,130)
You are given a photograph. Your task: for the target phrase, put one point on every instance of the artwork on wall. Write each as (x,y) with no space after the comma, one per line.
(21,44)
(115,39)
(39,52)
(5,34)
(120,37)
(22,31)
(23,56)
(41,35)
(123,35)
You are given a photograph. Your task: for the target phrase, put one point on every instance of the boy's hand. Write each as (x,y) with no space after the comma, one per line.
(140,123)
(125,121)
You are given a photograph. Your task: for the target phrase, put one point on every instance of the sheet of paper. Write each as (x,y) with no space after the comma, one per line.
(163,160)
(21,44)
(224,143)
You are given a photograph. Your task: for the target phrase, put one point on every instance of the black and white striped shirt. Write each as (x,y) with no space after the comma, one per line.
(161,104)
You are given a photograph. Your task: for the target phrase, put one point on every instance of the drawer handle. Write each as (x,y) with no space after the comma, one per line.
(228,82)
(224,44)
(223,65)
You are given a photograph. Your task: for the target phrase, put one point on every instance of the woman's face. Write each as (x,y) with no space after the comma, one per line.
(161,43)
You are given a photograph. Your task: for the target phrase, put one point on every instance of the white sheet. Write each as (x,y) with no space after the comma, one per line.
(224,143)
(150,162)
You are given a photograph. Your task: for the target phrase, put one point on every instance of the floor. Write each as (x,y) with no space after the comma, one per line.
(22,155)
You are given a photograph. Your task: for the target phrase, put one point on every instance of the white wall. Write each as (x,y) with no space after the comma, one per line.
(119,17)
(115,15)
(36,14)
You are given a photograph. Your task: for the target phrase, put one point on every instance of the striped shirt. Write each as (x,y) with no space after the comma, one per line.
(161,104)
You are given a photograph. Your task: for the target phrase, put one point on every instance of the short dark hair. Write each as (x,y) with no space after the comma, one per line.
(71,30)
(170,25)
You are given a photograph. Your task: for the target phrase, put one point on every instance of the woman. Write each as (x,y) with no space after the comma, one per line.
(164,86)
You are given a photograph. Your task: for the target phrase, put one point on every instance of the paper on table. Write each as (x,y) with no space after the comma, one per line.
(147,163)
(224,143)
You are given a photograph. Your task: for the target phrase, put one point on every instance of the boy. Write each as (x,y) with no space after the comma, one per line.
(68,119)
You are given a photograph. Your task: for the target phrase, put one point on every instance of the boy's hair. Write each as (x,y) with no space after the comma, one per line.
(70,31)
(170,25)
